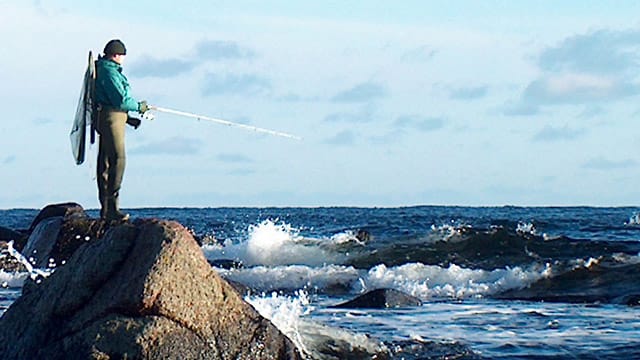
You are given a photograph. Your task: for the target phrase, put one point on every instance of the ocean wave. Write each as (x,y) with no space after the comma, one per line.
(271,244)
(423,281)
(327,279)
(428,281)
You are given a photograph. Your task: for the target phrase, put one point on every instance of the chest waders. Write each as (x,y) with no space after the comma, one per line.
(111,161)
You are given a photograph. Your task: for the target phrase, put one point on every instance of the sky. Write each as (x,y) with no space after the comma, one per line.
(472,103)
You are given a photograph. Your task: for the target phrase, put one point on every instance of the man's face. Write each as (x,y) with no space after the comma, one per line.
(119,58)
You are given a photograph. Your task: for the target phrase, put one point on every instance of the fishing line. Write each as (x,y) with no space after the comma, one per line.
(220,121)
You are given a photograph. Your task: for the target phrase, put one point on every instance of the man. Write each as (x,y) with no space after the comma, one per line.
(113,104)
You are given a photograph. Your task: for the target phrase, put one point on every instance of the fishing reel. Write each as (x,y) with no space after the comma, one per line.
(148,116)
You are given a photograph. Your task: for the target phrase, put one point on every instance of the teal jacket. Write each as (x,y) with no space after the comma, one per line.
(112,87)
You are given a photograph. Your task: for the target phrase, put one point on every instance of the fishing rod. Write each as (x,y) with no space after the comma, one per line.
(220,121)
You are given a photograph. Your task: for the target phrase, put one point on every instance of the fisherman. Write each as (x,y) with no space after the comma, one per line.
(113,103)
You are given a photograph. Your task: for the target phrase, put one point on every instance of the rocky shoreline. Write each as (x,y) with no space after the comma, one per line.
(143,289)
(139,290)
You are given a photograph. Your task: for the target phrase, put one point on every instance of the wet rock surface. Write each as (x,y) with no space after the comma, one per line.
(140,290)
(381,299)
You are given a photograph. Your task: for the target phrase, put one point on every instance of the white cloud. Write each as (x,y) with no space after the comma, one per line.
(606,165)
(176,145)
(247,84)
(223,50)
(234,158)
(550,133)
(573,88)
(469,93)
(602,51)
(420,54)
(364,114)
(595,67)
(163,68)
(343,138)
(362,93)
(419,123)
(8,159)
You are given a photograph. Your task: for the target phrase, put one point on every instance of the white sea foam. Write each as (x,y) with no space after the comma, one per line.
(427,281)
(626,258)
(34,273)
(423,281)
(294,277)
(346,237)
(526,228)
(271,244)
(634,220)
(12,279)
(284,312)
(448,232)
(313,339)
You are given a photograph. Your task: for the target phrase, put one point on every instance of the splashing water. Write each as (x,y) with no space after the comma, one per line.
(272,244)
(634,220)
(295,277)
(427,281)
(285,313)
(268,241)
(526,228)
(313,340)
(34,273)
(449,232)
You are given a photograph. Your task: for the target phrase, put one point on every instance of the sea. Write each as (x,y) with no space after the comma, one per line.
(495,282)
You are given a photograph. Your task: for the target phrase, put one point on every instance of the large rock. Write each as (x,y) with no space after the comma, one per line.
(381,299)
(42,240)
(55,238)
(64,210)
(143,291)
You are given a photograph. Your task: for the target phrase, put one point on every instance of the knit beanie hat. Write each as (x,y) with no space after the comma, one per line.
(115,47)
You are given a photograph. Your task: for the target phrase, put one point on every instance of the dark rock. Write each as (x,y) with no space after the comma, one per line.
(56,238)
(42,240)
(143,291)
(327,342)
(75,232)
(19,237)
(363,236)
(7,234)
(415,349)
(631,300)
(241,289)
(64,210)
(227,264)
(605,282)
(380,299)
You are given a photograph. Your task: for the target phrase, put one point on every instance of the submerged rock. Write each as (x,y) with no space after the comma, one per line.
(381,299)
(420,349)
(143,291)
(605,282)
(227,264)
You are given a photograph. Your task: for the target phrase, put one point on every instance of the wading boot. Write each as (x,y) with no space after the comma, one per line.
(114,214)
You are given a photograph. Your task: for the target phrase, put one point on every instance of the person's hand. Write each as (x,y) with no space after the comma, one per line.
(143,107)
(134,122)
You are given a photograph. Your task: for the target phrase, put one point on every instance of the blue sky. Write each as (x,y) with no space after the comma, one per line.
(398,103)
